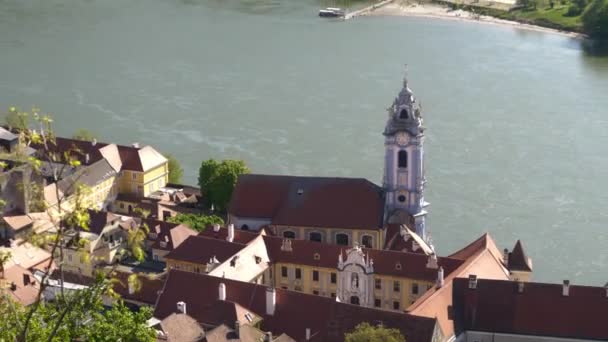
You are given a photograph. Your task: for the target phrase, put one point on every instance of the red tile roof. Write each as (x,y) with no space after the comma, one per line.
(309,201)
(411,265)
(541,309)
(240,236)
(518,261)
(147,294)
(129,155)
(481,257)
(295,312)
(200,249)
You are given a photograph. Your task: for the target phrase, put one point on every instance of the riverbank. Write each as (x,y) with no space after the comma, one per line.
(432,10)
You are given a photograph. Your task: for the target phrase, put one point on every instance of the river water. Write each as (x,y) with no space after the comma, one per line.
(517,120)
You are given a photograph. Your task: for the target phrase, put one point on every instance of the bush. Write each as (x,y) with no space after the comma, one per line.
(573,11)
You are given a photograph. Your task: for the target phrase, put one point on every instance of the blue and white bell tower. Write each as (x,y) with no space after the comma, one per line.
(404,180)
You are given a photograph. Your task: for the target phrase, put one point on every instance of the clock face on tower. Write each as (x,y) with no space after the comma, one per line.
(401,138)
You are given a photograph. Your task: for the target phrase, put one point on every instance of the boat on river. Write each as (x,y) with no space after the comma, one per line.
(331,12)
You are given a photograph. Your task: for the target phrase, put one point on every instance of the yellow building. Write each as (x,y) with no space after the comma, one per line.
(105,171)
(383,279)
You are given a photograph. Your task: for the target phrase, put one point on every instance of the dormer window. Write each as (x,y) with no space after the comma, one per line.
(317,256)
(403,114)
(398,266)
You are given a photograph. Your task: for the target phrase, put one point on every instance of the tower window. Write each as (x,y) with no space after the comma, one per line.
(403,114)
(402,159)
(401,198)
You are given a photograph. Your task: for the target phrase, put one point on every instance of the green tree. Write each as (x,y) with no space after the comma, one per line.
(365,332)
(196,222)
(78,316)
(595,19)
(217,180)
(72,315)
(84,134)
(175,169)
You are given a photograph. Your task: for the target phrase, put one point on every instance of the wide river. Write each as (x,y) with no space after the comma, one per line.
(517,121)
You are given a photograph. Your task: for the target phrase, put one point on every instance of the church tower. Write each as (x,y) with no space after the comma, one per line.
(403,179)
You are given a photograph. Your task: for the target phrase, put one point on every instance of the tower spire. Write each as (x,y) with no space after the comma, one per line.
(404,162)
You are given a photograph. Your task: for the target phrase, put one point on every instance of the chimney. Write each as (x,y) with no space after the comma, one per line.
(26,279)
(505,257)
(87,158)
(472,281)
(271,300)
(131,287)
(237,328)
(135,145)
(566,288)
(268,336)
(216,227)
(520,286)
(222,290)
(181,307)
(93,142)
(440,280)
(307,334)
(230,236)
(432,261)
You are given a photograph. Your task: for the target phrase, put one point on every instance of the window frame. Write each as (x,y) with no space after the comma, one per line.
(347,239)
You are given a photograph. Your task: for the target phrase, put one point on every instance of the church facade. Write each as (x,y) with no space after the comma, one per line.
(345,211)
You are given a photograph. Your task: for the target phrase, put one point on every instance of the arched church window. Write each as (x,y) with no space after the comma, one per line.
(403,114)
(401,198)
(402,159)
(315,236)
(288,234)
(342,239)
(367,241)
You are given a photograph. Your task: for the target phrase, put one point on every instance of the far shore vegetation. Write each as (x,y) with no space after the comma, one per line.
(589,17)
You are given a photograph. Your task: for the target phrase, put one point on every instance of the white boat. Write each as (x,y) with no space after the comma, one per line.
(331,12)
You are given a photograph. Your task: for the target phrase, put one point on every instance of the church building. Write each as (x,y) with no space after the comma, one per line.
(346,211)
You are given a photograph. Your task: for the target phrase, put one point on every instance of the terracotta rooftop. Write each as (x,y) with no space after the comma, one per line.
(240,236)
(200,249)
(294,313)
(309,201)
(180,327)
(518,261)
(540,309)
(481,257)
(17,220)
(132,158)
(147,294)
(13,282)
(398,264)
